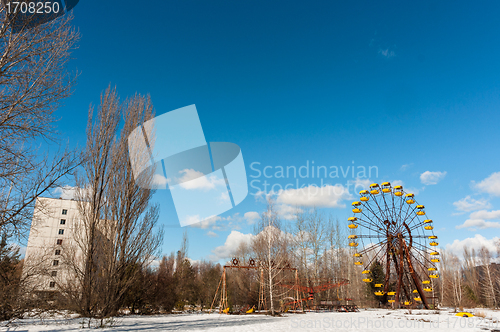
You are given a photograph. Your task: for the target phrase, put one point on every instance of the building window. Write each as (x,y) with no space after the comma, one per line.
(52,284)
(53,273)
(64,211)
(61,231)
(55,263)
(58,252)
(63,221)
(59,242)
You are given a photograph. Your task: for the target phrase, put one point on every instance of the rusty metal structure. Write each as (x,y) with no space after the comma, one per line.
(250,264)
(323,284)
(391,230)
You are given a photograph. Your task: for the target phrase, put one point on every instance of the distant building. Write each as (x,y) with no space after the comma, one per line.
(52,242)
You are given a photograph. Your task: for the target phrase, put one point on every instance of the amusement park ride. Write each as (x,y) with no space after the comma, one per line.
(391,228)
(296,285)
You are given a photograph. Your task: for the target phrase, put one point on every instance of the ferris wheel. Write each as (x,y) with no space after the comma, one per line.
(390,232)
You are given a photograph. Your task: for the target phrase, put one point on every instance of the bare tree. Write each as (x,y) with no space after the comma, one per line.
(33,82)
(271,248)
(487,279)
(117,238)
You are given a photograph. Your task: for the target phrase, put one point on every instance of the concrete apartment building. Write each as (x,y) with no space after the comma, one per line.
(51,243)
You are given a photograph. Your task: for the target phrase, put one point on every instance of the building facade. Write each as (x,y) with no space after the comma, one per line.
(53,244)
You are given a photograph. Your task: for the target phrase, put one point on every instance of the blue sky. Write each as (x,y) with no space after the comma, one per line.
(406,87)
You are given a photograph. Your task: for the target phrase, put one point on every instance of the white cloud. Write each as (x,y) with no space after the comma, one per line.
(429,178)
(159,181)
(66,192)
(397,183)
(490,185)
(479,219)
(387,53)
(212,234)
(251,217)
(326,196)
(405,167)
(479,223)
(468,204)
(360,184)
(193,180)
(287,212)
(194,221)
(476,243)
(483,214)
(224,197)
(233,241)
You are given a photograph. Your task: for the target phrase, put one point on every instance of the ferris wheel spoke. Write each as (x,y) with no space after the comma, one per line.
(371,224)
(367,266)
(372,211)
(368,249)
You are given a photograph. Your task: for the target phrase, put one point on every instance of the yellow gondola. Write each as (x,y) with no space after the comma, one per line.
(374,189)
(429,228)
(358,263)
(391,301)
(356,210)
(428,289)
(407,303)
(391,293)
(434,276)
(379,293)
(366,272)
(364,192)
(417,299)
(420,207)
(435,260)
(410,201)
(432,237)
(356,203)
(364,199)
(398,190)
(432,269)
(427,221)
(368,280)
(386,187)
(353,244)
(434,244)
(420,213)
(415,291)
(352,236)
(352,226)
(434,253)
(425,282)
(358,255)
(352,219)
(379,285)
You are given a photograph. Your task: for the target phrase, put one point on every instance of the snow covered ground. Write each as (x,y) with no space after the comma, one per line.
(365,320)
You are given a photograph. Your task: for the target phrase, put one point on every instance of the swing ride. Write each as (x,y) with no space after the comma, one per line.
(295,285)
